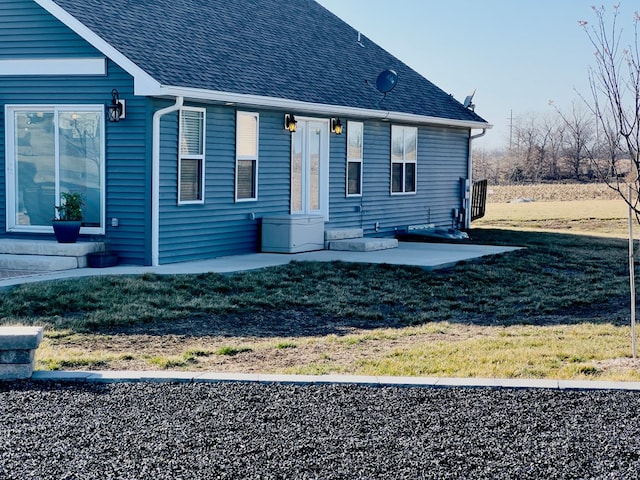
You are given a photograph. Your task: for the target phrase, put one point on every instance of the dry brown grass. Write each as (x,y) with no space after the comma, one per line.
(550,192)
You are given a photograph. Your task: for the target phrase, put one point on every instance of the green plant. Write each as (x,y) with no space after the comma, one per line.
(71,207)
(231,351)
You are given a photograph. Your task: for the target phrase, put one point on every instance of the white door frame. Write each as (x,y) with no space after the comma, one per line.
(303,129)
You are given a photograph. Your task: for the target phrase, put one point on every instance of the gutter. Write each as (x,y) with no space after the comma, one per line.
(307,108)
(155,179)
(467,210)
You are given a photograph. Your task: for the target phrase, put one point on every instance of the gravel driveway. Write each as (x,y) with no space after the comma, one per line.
(257,431)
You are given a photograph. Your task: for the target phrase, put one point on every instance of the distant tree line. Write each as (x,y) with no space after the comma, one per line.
(557,146)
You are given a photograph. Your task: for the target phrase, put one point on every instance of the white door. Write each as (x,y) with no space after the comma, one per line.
(310,168)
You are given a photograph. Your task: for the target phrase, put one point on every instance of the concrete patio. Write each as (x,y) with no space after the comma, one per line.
(429,256)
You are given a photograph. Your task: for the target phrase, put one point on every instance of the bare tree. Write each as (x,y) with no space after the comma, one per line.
(578,146)
(615,102)
(527,150)
(555,131)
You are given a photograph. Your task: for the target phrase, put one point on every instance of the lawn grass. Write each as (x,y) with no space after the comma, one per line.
(556,309)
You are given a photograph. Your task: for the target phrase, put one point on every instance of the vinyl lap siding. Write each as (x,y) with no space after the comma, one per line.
(442,161)
(27,31)
(221,226)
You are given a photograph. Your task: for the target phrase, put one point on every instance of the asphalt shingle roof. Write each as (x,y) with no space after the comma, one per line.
(295,50)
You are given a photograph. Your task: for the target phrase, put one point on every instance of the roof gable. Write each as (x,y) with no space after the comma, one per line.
(271,48)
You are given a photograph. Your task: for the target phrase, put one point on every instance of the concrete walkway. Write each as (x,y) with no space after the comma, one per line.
(164,376)
(429,256)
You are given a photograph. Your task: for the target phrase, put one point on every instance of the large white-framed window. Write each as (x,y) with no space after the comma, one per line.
(191,155)
(247,128)
(404,157)
(52,149)
(355,146)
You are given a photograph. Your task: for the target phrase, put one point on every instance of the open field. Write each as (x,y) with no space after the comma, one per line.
(558,309)
(552,192)
(592,209)
(589,217)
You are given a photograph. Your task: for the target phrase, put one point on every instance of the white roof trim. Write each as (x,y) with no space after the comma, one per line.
(52,66)
(310,108)
(142,80)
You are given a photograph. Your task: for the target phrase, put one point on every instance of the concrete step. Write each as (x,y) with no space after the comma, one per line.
(341,234)
(45,255)
(363,244)
(49,247)
(40,263)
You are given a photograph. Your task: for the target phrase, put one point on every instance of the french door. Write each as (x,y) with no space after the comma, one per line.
(53,149)
(310,168)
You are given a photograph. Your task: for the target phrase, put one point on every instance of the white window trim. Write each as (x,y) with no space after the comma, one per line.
(201,156)
(10,178)
(354,160)
(404,162)
(245,157)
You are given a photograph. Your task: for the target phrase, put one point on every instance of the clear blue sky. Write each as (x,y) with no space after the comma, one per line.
(518,54)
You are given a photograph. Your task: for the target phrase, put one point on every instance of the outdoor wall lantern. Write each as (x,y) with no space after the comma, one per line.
(336,126)
(290,122)
(116,108)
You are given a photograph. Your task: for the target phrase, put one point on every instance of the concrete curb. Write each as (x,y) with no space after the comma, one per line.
(132,376)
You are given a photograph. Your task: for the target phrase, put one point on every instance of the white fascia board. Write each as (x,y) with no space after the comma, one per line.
(308,107)
(142,80)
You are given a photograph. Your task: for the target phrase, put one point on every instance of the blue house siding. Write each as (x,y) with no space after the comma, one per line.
(221,226)
(27,31)
(442,160)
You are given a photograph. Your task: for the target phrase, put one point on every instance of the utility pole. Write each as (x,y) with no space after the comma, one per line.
(511,130)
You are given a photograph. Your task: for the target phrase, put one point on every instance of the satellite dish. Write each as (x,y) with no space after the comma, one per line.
(467,101)
(386,81)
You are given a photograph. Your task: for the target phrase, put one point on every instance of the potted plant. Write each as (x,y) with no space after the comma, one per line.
(68,219)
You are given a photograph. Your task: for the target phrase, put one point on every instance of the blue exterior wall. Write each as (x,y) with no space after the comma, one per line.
(28,31)
(442,161)
(222,226)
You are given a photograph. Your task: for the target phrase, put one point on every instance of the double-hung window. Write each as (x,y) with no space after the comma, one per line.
(246,156)
(191,154)
(404,146)
(355,132)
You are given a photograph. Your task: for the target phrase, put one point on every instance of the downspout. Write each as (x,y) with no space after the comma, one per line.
(155,179)
(467,208)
